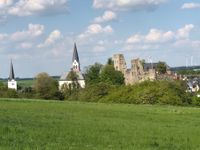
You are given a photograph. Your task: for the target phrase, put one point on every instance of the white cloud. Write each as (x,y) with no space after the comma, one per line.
(3,37)
(99,48)
(53,37)
(190,5)
(187,43)
(95,29)
(127,4)
(25,45)
(185,31)
(5,3)
(107,16)
(156,35)
(159,36)
(33,31)
(155,38)
(38,7)
(135,39)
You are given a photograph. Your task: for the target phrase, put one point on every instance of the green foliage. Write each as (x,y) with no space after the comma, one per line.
(189,72)
(98,73)
(111,76)
(72,76)
(92,73)
(94,92)
(25,83)
(7,93)
(45,86)
(110,62)
(148,92)
(53,125)
(70,91)
(196,100)
(161,67)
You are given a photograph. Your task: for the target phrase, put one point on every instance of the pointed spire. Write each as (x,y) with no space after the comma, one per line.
(75,60)
(75,54)
(12,74)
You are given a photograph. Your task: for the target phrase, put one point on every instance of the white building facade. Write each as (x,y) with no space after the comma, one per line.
(12,83)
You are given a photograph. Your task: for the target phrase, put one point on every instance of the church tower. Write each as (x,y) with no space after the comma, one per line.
(75,60)
(75,68)
(12,84)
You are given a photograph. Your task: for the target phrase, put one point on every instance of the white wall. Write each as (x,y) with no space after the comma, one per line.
(12,84)
(81,83)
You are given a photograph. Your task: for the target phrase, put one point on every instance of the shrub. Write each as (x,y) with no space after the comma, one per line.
(45,86)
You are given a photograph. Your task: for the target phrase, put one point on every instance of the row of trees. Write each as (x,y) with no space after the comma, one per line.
(46,87)
(105,84)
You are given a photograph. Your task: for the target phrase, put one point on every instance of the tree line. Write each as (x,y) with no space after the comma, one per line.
(105,84)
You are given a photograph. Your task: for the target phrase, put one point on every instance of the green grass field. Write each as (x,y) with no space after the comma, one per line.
(90,126)
(25,83)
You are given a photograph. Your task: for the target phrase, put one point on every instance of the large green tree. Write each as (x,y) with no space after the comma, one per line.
(45,86)
(161,67)
(112,76)
(92,73)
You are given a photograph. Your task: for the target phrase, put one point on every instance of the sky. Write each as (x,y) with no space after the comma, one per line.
(39,35)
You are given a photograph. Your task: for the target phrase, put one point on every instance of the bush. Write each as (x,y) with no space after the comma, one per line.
(148,92)
(94,92)
(196,100)
(46,87)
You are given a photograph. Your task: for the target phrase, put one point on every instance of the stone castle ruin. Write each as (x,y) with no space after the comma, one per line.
(139,70)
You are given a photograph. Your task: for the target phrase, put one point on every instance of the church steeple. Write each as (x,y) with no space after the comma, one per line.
(12,84)
(12,74)
(75,60)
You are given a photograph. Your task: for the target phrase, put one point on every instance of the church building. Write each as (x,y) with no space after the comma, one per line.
(12,83)
(76,68)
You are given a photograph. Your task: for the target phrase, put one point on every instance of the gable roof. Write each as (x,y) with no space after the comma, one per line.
(64,76)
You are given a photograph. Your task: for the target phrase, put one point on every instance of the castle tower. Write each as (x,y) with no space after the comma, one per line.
(137,67)
(12,84)
(75,60)
(120,63)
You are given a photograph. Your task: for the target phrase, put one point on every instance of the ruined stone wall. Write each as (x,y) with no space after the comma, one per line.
(120,63)
(136,73)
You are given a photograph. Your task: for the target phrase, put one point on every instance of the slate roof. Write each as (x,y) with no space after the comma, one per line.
(12,74)
(75,54)
(64,76)
(148,66)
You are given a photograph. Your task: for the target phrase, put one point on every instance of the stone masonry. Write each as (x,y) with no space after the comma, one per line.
(136,73)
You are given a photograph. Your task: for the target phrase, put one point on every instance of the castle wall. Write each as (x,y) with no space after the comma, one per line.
(136,74)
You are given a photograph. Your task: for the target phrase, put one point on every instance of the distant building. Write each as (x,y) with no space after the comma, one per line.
(139,71)
(76,68)
(193,85)
(12,83)
(136,73)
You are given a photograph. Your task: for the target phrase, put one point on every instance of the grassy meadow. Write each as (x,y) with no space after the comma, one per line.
(35,124)
(25,83)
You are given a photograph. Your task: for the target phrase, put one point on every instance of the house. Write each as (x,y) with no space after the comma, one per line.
(193,85)
(12,83)
(76,68)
